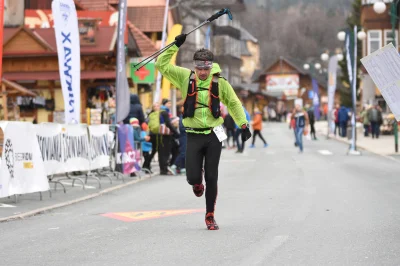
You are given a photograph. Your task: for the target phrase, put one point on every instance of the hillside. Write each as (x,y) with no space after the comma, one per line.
(300,29)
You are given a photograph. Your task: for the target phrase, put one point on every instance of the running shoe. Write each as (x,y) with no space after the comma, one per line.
(210,222)
(198,190)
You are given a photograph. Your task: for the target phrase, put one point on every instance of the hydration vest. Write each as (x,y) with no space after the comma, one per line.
(191,103)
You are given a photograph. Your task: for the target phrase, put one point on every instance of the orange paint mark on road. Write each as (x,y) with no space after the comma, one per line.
(148,215)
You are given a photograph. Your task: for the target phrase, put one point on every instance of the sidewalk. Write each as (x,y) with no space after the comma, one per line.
(382,146)
(31,204)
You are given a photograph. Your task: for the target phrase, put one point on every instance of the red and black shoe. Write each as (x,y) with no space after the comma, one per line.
(210,222)
(198,190)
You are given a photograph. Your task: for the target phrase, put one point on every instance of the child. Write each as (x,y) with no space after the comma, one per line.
(146,148)
(179,163)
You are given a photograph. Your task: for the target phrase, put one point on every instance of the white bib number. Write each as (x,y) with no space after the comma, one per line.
(220,132)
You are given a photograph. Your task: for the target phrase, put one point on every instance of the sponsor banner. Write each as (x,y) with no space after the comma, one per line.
(51,139)
(22,170)
(99,146)
(283,83)
(68,49)
(128,158)
(76,148)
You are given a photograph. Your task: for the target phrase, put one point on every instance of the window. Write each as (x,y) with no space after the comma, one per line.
(374,40)
(389,37)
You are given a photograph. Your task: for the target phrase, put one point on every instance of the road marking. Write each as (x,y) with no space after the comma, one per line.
(148,215)
(325,152)
(2,205)
(78,185)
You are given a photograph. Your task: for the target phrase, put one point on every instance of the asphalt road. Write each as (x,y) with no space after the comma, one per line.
(275,207)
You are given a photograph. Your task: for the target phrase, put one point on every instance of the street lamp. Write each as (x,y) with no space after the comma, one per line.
(340,57)
(324,57)
(317,66)
(306,66)
(379,7)
(361,35)
(341,36)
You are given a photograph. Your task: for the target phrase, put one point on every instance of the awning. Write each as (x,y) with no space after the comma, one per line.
(55,75)
(18,89)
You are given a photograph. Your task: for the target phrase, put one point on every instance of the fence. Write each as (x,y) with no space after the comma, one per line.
(32,155)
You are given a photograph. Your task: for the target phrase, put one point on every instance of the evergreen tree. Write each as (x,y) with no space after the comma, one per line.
(345,86)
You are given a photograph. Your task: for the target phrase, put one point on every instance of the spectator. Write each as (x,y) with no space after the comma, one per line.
(343,116)
(136,110)
(375,118)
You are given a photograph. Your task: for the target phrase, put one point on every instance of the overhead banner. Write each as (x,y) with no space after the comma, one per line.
(22,170)
(128,157)
(122,86)
(289,84)
(99,146)
(69,58)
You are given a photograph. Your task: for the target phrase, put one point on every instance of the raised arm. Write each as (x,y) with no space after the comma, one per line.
(176,75)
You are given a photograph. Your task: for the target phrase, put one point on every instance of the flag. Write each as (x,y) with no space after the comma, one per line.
(316,99)
(332,72)
(69,57)
(122,86)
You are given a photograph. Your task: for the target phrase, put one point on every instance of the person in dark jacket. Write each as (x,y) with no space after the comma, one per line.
(136,110)
(343,120)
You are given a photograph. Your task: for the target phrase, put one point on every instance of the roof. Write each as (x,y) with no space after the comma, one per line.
(147,19)
(246,36)
(47,37)
(55,75)
(146,46)
(144,43)
(18,88)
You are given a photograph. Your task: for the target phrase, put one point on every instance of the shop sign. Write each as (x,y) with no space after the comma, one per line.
(144,75)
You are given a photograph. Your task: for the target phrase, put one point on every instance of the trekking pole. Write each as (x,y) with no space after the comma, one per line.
(210,19)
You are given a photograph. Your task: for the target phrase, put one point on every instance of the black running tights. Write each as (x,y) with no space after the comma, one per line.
(204,149)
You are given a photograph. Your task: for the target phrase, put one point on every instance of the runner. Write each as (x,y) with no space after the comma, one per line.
(301,122)
(202,90)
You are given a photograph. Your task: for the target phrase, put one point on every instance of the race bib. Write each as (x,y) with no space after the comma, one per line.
(220,132)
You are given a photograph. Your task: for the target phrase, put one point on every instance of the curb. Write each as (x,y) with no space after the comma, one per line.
(71,202)
(365,149)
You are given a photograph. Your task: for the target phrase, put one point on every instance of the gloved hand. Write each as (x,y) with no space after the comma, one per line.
(246,134)
(180,39)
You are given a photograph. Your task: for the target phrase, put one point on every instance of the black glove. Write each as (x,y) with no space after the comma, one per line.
(246,134)
(180,39)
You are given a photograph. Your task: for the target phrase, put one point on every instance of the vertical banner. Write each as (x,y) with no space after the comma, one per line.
(317,113)
(69,58)
(128,158)
(122,86)
(1,36)
(354,88)
(332,71)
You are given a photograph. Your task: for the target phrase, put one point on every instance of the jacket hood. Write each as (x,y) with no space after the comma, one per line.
(135,99)
(215,69)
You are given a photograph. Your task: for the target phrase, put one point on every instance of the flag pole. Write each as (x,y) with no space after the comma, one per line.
(164,36)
